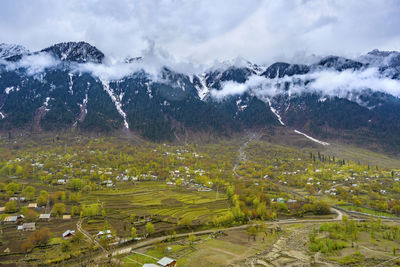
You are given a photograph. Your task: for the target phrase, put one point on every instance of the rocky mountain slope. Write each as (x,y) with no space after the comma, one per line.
(67,86)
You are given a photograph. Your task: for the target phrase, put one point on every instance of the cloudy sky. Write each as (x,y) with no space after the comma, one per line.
(207,30)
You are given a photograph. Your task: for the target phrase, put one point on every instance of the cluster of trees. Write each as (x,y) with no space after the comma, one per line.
(37,238)
(249,202)
(92,210)
(149,228)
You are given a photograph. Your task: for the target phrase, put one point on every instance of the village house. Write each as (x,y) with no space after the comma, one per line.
(2,209)
(150,265)
(29,227)
(167,262)
(32,205)
(13,219)
(66,217)
(61,181)
(44,217)
(67,234)
(16,199)
(106,233)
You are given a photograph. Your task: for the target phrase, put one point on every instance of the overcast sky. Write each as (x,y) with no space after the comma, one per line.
(206,30)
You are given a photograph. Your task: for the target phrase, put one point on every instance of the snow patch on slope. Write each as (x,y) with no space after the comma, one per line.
(203,90)
(11,89)
(70,83)
(9,50)
(117,101)
(46,104)
(312,139)
(275,112)
(2,115)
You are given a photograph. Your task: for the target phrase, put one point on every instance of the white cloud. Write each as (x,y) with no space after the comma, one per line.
(34,63)
(203,31)
(329,83)
(229,88)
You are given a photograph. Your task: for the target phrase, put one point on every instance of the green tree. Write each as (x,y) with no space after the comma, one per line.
(42,198)
(192,238)
(76,184)
(11,206)
(75,210)
(321,208)
(237,213)
(12,187)
(29,192)
(149,228)
(133,233)
(132,218)
(58,209)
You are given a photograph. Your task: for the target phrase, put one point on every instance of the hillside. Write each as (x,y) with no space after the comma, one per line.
(70,86)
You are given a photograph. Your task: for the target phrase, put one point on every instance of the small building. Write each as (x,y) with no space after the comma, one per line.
(13,219)
(106,234)
(2,209)
(61,181)
(66,217)
(44,216)
(67,234)
(16,199)
(29,227)
(280,200)
(100,234)
(167,262)
(32,205)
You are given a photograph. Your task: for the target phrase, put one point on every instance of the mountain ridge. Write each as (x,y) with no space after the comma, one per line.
(64,96)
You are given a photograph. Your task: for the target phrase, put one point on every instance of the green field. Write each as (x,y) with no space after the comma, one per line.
(367,211)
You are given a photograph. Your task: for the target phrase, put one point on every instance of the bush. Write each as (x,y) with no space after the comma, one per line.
(352,259)
(327,245)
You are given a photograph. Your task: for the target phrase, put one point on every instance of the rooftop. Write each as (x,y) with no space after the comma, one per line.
(165,261)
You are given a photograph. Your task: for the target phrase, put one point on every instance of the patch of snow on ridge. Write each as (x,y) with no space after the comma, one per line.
(203,91)
(275,112)
(71,83)
(117,103)
(2,115)
(46,104)
(312,139)
(8,90)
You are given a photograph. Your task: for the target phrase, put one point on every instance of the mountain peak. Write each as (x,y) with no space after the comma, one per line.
(80,52)
(11,50)
(340,63)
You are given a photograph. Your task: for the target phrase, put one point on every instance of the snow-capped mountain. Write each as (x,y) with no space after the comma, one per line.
(80,52)
(11,50)
(67,94)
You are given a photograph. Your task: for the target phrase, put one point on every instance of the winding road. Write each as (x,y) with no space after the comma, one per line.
(85,233)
